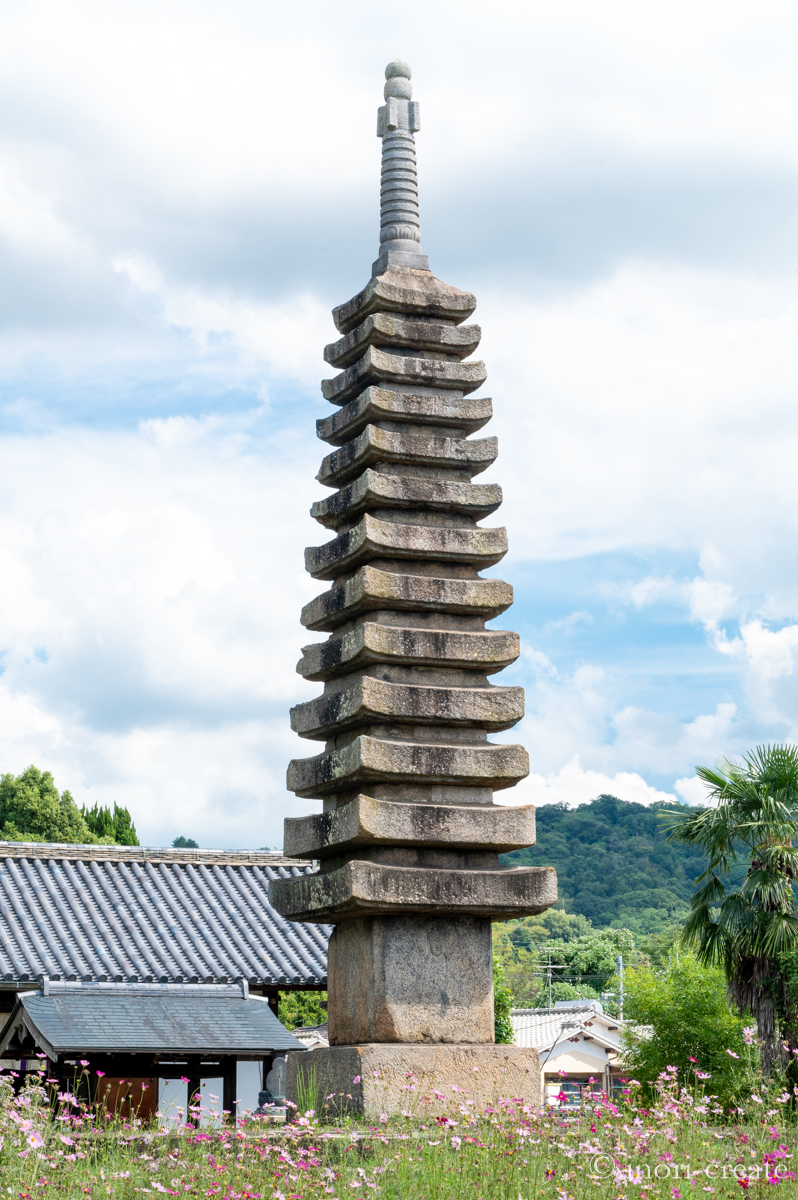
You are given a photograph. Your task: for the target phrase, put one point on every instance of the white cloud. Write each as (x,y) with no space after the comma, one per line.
(158,574)
(573,785)
(674,425)
(692,791)
(287,339)
(184,190)
(583,715)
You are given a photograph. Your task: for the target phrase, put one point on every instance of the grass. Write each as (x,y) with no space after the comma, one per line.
(681,1146)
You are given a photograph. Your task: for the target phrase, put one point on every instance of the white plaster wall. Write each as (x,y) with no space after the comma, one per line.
(211,1094)
(249,1077)
(172,1101)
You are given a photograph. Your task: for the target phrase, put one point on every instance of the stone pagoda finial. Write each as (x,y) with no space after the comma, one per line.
(409,839)
(397,120)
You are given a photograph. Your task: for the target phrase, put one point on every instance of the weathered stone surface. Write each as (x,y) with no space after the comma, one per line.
(371,889)
(371,588)
(368,759)
(372,538)
(485,1073)
(410,979)
(380,404)
(387,329)
(373,489)
(378,366)
(417,448)
(488,651)
(405,291)
(365,821)
(367,700)
(409,872)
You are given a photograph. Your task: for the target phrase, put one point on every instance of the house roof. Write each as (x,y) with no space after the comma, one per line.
(128,913)
(86,1021)
(312,1036)
(543,1028)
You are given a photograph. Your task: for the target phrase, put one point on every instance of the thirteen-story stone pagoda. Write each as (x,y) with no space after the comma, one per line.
(409,838)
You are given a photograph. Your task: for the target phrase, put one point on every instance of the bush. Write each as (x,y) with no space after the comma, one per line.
(690,1018)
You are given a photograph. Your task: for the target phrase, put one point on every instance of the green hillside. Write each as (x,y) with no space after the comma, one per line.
(614,864)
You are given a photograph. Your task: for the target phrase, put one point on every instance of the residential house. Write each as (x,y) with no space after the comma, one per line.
(578,1043)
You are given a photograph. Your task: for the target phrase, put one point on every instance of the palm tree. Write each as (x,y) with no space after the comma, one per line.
(748,924)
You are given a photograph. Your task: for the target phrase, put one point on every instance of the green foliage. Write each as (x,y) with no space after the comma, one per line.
(184,843)
(615,864)
(661,948)
(297,1009)
(592,958)
(555,923)
(567,991)
(502,1003)
(690,1016)
(31,810)
(583,960)
(115,827)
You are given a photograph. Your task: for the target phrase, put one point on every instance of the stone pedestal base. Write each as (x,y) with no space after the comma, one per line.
(382,1077)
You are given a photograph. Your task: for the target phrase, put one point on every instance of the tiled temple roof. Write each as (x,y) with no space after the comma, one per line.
(86,1022)
(127,914)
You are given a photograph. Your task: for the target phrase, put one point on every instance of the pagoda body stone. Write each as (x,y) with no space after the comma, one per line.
(409,836)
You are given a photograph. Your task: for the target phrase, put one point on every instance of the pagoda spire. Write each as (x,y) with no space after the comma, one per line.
(409,838)
(400,226)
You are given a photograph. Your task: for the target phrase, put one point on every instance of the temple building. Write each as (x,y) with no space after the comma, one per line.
(159,968)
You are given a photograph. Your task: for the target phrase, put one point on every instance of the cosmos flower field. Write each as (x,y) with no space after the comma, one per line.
(681,1145)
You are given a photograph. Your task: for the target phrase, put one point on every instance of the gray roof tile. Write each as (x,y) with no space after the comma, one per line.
(87,1023)
(118,915)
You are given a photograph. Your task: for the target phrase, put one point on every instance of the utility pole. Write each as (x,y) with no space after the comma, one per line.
(549,974)
(619,965)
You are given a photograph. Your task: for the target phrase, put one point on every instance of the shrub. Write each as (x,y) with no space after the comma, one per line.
(502,1003)
(689,1018)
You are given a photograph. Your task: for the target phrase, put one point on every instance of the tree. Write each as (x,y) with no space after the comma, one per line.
(584,960)
(31,810)
(688,1017)
(184,843)
(297,1009)
(748,925)
(502,1003)
(115,827)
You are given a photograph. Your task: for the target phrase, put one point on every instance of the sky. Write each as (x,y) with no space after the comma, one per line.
(186,190)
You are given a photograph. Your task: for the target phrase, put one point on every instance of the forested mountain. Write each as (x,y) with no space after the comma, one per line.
(614,864)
